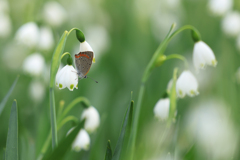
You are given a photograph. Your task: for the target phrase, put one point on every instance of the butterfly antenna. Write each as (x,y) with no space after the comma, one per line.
(91,79)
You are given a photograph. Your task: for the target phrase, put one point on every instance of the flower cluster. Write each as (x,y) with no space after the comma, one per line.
(186,83)
(92,121)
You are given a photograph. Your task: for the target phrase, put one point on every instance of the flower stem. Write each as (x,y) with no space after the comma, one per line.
(64,54)
(178,56)
(151,65)
(85,102)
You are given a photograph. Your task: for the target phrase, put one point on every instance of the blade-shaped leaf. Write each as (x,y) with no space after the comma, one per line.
(59,152)
(190,154)
(125,132)
(4,101)
(12,138)
(108,155)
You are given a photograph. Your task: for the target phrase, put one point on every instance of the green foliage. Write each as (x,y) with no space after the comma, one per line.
(4,101)
(173,98)
(12,138)
(123,140)
(64,145)
(108,155)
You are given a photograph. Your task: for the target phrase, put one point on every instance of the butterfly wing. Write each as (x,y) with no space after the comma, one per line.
(83,62)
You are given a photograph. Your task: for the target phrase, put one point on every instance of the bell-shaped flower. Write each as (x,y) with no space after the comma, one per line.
(28,34)
(34,64)
(231,24)
(92,119)
(54,14)
(187,84)
(84,46)
(161,109)
(220,7)
(82,141)
(46,40)
(67,77)
(203,55)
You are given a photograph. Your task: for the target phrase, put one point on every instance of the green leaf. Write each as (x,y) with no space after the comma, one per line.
(173,98)
(56,59)
(4,154)
(4,101)
(59,152)
(190,154)
(124,136)
(12,138)
(108,155)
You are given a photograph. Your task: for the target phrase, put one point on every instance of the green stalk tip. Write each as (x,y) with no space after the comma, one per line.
(196,36)
(80,36)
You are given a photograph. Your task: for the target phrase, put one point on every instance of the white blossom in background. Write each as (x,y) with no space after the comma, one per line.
(92,119)
(16,53)
(210,126)
(161,109)
(203,55)
(84,46)
(82,141)
(4,6)
(231,24)
(34,64)
(46,40)
(5,25)
(54,14)
(67,77)
(37,91)
(187,85)
(98,37)
(220,7)
(28,34)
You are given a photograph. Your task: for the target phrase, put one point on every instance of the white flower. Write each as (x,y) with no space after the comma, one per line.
(202,55)
(46,39)
(161,109)
(210,126)
(54,13)
(231,24)
(220,7)
(6,26)
(28,34)
(84,46)
(82,141)
(67,77)
(186,84)
(37,91)
(34,64)
(92,119)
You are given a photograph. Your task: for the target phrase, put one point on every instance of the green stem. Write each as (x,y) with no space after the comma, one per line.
(151,65)
(85,102)
(53,118)
(48,140)
(178,56)
(66,53)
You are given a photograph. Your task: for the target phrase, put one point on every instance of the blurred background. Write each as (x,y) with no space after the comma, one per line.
(124,35)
